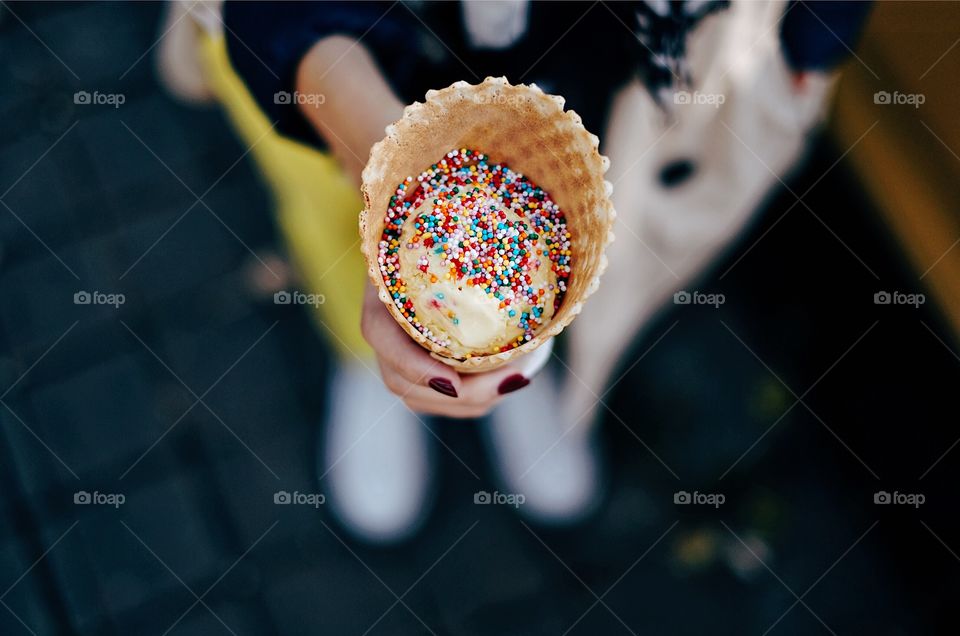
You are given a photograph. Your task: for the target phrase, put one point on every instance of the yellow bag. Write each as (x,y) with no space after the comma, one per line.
(316,206)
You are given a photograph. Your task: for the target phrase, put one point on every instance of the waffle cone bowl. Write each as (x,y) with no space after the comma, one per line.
(530,132)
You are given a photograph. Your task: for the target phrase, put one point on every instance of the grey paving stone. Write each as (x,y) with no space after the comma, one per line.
(121,575)
(155,129)
(316,600)
(248,216)
(42,294)
(174,518)
(118,158)
(34,461)
(35,201)
(101,417)
(70,569)
(24,597)
(247,492)
(223,619)
(175,256)
(79,31)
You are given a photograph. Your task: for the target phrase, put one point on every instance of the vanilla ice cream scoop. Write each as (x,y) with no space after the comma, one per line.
(476,256)
(453,302)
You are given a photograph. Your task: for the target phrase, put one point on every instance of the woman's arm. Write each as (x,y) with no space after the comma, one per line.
(351,102)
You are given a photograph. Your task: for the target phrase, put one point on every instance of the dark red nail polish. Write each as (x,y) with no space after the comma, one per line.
(442,385)
(513,383)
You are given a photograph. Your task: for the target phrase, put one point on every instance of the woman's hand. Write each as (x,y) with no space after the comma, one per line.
(428,386)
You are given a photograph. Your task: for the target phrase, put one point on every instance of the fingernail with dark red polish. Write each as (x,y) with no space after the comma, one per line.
(442,385)
(513,383)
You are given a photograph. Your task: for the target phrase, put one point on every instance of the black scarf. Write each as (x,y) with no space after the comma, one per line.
(661,29)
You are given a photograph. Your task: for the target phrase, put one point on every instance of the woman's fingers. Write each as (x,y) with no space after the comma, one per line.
(479,394)
(428,402)
(429,386)
(399,356)
(491,386)
(457,412)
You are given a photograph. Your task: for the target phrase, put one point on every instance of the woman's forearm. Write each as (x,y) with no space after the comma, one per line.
(346,99)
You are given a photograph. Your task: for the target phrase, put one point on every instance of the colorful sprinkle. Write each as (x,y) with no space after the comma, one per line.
(478,243)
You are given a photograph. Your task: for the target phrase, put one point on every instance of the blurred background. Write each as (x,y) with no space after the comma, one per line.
(182,404)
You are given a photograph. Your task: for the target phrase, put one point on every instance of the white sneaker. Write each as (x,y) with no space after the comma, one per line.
(544,454)
(374,458)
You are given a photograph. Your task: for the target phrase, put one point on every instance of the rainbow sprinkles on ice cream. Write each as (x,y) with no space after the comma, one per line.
(475,256)
(489,253)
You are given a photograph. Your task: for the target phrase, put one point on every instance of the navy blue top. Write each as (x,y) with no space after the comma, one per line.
(426,46)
